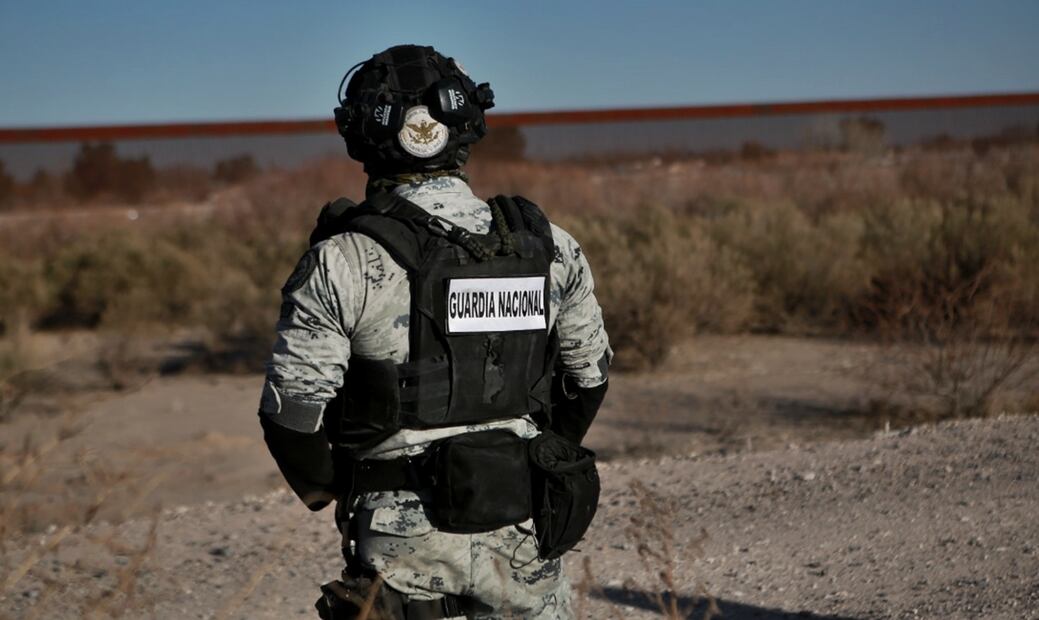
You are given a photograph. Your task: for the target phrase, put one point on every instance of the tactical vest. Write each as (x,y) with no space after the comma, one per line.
(480,346)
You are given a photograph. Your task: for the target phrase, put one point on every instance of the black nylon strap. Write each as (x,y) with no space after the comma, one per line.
(536,222)
(450,606)
(393,475)
(342,215)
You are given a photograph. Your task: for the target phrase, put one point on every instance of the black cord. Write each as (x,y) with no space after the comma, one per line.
(528,534)
(507,245)
(339,92)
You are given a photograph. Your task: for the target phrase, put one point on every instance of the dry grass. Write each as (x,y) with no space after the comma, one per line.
(651,531)
(36,502)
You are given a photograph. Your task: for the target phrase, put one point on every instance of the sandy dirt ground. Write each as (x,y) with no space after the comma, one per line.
(199,436)
(933,523)
(763,444)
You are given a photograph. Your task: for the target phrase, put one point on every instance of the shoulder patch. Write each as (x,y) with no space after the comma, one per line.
(306,265)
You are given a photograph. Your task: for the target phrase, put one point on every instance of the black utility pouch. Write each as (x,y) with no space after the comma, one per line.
(565,492)
(482,482)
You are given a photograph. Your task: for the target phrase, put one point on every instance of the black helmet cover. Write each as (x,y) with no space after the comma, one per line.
(411,109)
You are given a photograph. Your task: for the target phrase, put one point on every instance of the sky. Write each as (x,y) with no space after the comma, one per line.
(107,61)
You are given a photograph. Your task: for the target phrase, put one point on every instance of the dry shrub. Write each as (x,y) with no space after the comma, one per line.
(658,279)
(139,285)
(23,292)
(501,143)
(824,243)
(181,183)
(42,191)
(924,253)
(804,272)
(18,356)
(955,354)
(863,135)
(120,278)
(235,169)
(953,293)
(98,171)
(7,187)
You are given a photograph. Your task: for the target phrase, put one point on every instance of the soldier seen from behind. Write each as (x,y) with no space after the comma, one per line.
(439,360)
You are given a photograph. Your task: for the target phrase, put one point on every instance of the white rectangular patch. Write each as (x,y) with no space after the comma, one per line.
(495,304)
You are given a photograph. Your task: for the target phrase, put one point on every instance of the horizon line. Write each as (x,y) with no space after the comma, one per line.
(203,129)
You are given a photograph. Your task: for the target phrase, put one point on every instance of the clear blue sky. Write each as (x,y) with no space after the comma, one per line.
(106,61)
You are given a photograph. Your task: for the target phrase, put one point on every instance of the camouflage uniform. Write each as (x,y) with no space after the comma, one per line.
(351,298)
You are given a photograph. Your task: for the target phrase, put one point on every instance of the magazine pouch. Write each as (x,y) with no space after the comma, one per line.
(565,486)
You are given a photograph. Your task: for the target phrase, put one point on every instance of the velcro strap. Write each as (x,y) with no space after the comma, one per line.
(297,415)
(425,390)
(424,380)
(418,368)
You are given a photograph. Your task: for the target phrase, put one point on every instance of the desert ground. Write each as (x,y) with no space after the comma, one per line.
(768,483)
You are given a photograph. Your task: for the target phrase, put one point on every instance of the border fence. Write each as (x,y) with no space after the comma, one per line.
(573,134)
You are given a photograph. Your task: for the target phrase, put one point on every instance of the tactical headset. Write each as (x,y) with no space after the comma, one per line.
(371,113)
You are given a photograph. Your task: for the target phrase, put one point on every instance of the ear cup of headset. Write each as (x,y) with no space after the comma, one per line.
(449,103)
(383,121)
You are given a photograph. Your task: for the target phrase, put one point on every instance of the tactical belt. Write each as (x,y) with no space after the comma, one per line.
(405,473)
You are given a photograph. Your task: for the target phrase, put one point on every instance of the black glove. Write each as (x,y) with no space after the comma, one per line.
(574,408)
(305,460)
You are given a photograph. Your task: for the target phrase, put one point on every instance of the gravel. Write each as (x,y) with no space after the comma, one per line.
(933,522)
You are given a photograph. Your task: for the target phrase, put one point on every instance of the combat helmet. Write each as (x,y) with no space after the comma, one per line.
(411,109)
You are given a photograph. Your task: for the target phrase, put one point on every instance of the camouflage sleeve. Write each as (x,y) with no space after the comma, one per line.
(320,301)
(584,348)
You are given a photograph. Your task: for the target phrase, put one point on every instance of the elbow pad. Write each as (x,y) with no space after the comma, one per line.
(305,460)
(574,408)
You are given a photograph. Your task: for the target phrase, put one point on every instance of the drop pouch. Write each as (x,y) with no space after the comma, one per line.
(565,492)
(482,482)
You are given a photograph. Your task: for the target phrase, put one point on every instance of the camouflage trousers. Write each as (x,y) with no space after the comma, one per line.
(498,568)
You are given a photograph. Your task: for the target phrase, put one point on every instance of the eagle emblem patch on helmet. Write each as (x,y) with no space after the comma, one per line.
(422,135)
